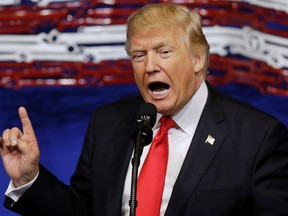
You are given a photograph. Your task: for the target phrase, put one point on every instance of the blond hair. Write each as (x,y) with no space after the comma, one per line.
(166,15)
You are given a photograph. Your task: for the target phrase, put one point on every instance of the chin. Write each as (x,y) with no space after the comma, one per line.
(164,110)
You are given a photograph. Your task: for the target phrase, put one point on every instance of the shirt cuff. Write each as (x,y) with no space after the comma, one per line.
(15,193)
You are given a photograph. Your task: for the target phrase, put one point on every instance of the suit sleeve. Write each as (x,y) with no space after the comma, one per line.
(49,196)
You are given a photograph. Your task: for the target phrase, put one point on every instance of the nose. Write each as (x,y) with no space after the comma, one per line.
(151,64)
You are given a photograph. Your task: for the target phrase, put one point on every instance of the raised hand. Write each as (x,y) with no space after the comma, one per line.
(20,151)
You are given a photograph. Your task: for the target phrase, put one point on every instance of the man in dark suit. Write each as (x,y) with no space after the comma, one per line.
(225,157)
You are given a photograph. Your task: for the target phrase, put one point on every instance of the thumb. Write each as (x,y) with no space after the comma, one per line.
(26,123)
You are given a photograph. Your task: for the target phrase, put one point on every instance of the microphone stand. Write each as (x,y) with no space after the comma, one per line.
(140,143)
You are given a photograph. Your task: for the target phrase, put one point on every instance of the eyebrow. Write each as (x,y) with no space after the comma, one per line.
(157,46)
(161,44)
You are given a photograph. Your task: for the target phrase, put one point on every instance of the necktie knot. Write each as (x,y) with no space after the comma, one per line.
(166,123)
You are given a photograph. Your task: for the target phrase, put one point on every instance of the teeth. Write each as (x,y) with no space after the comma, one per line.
(160,92)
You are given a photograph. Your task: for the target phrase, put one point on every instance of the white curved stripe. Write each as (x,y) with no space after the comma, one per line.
(9,2)
(91,44)
(47,2)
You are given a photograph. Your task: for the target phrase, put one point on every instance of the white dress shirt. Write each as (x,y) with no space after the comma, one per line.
(179,138)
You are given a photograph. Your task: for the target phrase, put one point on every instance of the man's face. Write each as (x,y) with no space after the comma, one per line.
(166,74)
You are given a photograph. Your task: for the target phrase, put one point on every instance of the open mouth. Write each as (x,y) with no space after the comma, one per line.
(158,88)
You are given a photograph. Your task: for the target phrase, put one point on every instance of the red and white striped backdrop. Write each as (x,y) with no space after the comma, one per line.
(61,42)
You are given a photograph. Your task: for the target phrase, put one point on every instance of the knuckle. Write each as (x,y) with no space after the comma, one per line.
(15,132)
(6,134)
(14,129)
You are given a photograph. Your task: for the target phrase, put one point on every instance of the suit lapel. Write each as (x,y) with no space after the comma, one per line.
(120,159)
(121,163)
(206,142)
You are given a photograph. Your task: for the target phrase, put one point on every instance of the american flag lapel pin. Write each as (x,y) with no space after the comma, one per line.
(210,140)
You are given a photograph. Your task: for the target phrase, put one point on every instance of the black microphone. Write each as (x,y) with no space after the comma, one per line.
(146,119)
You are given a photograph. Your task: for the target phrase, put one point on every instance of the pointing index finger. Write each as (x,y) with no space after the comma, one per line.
(26,123)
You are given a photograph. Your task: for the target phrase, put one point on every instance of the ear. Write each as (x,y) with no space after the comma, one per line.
(199,61)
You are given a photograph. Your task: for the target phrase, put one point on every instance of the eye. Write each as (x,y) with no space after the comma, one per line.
(165,53)
(138,57)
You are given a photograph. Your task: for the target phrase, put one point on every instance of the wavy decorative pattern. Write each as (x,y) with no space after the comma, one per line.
(60,42)
(52,49)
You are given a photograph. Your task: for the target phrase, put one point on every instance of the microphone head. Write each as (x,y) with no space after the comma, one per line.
(147,113)
(146,119)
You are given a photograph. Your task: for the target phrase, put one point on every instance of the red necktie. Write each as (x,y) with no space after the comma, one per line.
(152,176)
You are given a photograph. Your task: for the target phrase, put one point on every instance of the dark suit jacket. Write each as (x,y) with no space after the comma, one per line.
(245,171)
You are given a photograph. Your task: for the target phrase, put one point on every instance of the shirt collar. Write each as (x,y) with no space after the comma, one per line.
(188,118)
